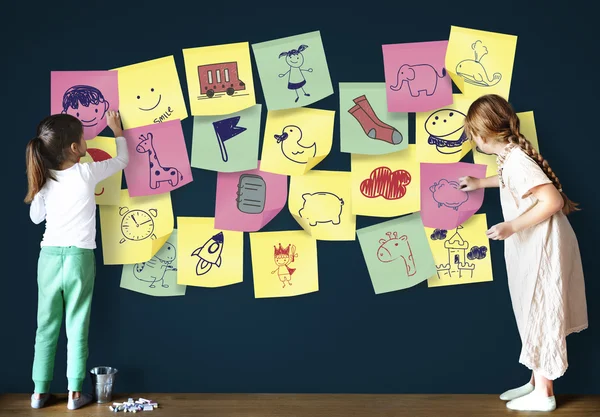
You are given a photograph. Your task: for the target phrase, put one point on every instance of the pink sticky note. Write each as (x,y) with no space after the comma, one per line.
(248,200)
(87,95)
(416,79)
(158,159)
(443,204)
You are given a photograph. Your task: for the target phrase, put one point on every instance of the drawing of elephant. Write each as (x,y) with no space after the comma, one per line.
(422,77)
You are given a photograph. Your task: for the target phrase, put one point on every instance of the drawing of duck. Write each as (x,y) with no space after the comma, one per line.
(291,147)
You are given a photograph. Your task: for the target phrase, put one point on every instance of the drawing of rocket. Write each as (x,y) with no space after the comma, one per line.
(209,254)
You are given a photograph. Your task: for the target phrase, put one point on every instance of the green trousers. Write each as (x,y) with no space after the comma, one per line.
(65,284)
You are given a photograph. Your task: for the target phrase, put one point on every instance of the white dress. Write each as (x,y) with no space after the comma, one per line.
(545,275)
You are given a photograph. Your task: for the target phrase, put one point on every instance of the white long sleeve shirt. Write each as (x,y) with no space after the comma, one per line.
(68,204)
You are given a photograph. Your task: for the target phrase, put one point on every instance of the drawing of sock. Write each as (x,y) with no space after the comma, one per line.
(373,130)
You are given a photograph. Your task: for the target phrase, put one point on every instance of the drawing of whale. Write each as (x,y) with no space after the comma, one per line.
(209,254)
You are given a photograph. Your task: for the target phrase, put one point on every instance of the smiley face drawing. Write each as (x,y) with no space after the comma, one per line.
(86,103)
(149,101)
(150,92)
(292,149)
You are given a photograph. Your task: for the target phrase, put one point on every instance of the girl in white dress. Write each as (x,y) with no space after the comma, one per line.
(545,275)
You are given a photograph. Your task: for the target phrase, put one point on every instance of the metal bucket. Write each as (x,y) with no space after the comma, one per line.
(103,378)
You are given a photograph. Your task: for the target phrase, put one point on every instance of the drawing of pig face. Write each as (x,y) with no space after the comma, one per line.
(448,193)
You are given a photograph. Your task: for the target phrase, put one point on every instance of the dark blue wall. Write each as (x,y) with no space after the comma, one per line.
(458,339)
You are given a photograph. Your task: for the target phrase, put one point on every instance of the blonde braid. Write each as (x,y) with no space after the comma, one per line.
(518,139)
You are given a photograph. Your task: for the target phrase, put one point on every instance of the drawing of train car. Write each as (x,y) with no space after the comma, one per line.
(219,78)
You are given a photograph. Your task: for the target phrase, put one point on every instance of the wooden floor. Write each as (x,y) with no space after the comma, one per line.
(307,405)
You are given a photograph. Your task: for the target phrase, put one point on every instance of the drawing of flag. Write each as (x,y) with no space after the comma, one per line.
(226,129)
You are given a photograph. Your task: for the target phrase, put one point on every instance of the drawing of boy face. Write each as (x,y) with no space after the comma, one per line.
(86,103)
(295,60)
(281,260)
(90,115)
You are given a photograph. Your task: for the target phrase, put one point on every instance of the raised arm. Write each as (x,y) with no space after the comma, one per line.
(471,183)
(101,170)
(549,202)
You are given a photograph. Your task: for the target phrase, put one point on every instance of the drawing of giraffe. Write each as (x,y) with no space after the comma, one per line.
(158,173)
(395,247)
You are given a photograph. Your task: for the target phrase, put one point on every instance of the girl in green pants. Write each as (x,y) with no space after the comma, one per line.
(61,192)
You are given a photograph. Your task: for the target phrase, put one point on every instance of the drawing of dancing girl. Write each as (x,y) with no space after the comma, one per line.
(295,60)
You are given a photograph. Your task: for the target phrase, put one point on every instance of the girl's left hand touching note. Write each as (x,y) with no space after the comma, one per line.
(501,231)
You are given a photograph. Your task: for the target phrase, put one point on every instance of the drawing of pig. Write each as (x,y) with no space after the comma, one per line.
(321,207)
(448,193)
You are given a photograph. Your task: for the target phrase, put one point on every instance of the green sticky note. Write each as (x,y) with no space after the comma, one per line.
(293,71)
(227,143)
(158,276)
(397,253)
(366,126)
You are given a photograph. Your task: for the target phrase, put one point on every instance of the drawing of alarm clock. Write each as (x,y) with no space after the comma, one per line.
(137,224)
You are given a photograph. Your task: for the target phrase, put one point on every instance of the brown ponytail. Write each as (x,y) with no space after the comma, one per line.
(49,149)
(37,169)
(492,117)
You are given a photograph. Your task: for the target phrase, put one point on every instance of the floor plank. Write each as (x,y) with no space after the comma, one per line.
(308,405)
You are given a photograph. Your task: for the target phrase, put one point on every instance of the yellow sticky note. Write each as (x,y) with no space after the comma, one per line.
(296,140)
(440,134)
(136,229)
(386,185)
(150,92)
(208,257)
(480,62)
(284,264)
(462,255)
(107,192)
(321,202)
(527,129)
(219,79)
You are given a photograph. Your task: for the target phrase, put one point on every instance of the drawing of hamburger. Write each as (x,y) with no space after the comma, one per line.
(446,128)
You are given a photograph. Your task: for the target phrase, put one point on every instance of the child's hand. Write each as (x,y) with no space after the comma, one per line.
(468,183)
(501,231)
(114,122)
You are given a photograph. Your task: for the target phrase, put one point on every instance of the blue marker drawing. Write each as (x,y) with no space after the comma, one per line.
(226,129)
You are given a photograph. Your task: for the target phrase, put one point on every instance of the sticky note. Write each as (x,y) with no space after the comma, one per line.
(293,71)
(385,185)
(296,140)
(136,229)
(321,202)
(150,92)
(481,62)
(415,76)
(462,255)
(219,78)
(397,253)
(284,264)
(158,276)
(209,257)
(366,126)
(227,143)
(87,95)
(108,191)
(440,134)
(247,201)
(158,159)
(443,204)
